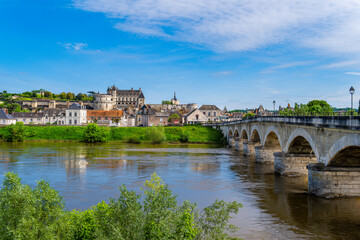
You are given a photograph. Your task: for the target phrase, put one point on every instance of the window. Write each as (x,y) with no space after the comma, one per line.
(69,114)
(70,121)
(53,117)
(46,117)
(209,114)
(75,122)
(75,114)
(31,120)
(106,118)
(99,118)
(24,120)
(204,113)
(214,114)
(161,119)
(197,117)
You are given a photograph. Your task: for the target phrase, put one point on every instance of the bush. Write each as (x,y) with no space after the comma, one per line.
(15,132)
(184,137)
(133,139)
(94,133)
(156,135)
(153,213)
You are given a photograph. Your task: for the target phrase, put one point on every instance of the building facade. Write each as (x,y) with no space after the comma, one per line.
(5,118)
(211,112)
(76,114)
(116,99)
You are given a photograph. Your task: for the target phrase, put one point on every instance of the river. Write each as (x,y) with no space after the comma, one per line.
(275,207)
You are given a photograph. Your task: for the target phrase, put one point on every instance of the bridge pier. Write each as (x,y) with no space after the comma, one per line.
(231,142)
(248,148)
(264,154)
(238,144)
(333,182)
(292,164)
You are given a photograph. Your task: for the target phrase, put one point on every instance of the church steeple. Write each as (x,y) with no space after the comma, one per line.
(175,96)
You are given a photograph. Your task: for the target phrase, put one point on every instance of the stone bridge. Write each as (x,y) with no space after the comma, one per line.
(325,148)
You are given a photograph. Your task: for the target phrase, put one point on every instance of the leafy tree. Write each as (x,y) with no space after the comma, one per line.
(175,115)
(70,96)
(156,135)
(27,213)
(184,136)
(13,107)
(48,94)
(63,95)
(15,132)
(165,102)
(79,96)
(94,133)
(249,115)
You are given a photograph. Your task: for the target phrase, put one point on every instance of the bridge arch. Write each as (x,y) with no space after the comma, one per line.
(344,152)
(270,132)
(230,134)
(300,141)
(236,133)
(244,134)
(255,135)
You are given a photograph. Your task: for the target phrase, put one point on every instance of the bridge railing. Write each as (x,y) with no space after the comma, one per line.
(343,122)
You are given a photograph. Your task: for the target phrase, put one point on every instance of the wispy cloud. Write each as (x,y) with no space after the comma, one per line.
(233,25)
(353,73)
(342,64)
(74,46)
(287,65)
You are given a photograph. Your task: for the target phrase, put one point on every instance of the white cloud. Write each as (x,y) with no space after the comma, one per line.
(353,73)
(234,25)
(74,46)
(342,64)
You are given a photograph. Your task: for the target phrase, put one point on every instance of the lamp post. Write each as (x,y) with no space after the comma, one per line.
(351,91)
(274,102)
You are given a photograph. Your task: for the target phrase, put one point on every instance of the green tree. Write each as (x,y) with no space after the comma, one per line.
(15,132)
(70,96)
(175,115)
(48,94)
(79,96)
(63,95)
(27,213)
(156,135)
(94,133)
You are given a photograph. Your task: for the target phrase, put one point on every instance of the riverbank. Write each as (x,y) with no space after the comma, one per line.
(195,134)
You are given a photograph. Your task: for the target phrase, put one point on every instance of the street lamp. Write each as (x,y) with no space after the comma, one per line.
(351,91)
(274,102)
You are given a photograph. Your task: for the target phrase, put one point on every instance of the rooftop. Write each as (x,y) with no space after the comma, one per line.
(209,107)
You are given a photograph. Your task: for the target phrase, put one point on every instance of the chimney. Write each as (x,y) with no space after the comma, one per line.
(132,89)
(5,110)
(140,91)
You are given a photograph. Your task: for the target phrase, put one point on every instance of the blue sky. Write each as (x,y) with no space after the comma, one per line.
(234,53)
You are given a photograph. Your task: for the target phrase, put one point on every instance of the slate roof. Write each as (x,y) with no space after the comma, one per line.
(27,115)
(4,115)
(76,106)
(209,107)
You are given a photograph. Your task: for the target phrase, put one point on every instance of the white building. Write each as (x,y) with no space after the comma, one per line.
(212,112)
(5,118)
(195,116)
(76,114)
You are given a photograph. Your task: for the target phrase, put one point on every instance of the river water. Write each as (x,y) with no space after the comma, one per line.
(275,207)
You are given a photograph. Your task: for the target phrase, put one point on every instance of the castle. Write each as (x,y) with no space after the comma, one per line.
(118,99)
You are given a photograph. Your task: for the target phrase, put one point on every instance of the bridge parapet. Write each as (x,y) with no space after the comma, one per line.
(342,122)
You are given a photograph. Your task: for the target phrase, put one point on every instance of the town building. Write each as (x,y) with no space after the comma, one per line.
(195,117)
(104,117)
(148,117)
(76,114)
(48,116)
(5,118)
(116,99)
(212,112)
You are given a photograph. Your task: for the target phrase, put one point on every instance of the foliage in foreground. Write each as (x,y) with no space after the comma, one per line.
(156,135)
(94,133)
(39,213)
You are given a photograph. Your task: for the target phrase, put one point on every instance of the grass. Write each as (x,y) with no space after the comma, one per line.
(197,134)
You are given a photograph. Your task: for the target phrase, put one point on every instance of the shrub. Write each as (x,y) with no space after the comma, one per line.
(156,135)
(133,139)
(94,133)
(184,136)
(15,132)
(153,213)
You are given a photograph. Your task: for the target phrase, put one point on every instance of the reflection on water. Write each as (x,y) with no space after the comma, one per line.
(275,207)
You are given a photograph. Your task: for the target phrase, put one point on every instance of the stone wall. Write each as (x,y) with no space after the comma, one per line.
(332,182)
